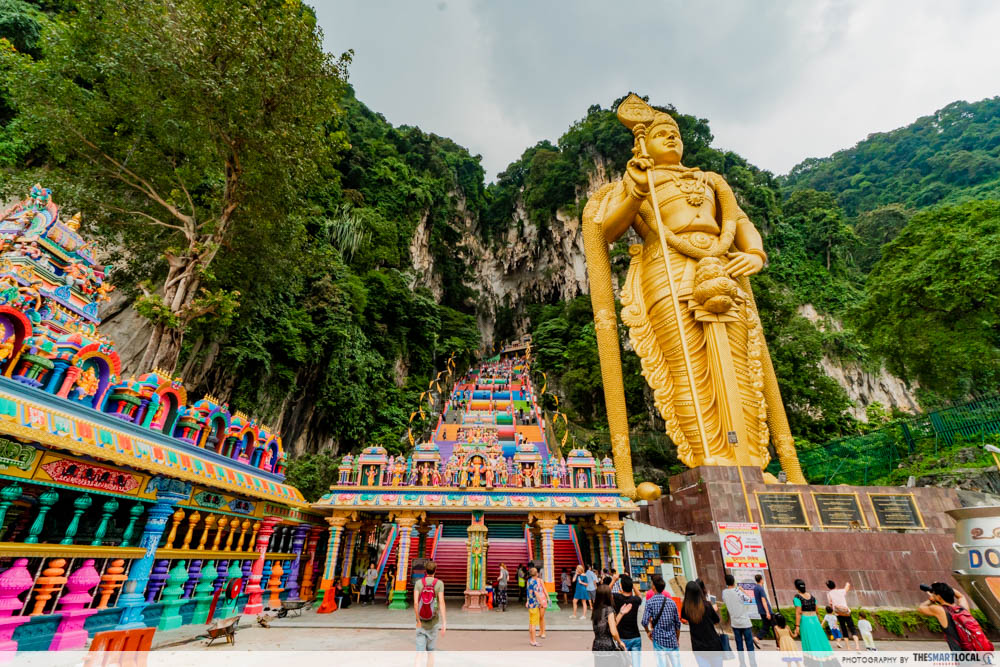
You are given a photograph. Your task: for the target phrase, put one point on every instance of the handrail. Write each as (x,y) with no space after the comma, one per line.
(14,549)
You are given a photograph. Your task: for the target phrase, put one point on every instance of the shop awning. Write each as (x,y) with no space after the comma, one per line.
(636,531)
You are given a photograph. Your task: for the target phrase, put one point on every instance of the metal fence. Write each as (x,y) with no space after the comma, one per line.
(941,439)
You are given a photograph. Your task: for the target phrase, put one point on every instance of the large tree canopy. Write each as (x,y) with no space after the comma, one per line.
(933,300)
(189,121)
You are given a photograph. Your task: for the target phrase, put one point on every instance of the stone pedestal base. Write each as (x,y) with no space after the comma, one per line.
(8,647)
(474,601)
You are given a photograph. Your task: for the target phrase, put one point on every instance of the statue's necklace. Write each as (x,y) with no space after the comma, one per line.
(690,183)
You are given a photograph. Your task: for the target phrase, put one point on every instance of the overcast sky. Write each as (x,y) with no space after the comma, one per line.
(778,81)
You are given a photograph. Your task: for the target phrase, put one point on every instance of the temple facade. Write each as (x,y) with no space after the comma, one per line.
(122,503)
(489,487)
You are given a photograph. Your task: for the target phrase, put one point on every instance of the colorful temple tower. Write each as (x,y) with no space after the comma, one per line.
(121,504)
(488,488)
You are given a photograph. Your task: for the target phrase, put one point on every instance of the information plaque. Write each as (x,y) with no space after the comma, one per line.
(839,510)
(783,510)
(896,511)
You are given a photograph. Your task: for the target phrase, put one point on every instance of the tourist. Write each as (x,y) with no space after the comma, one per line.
(605,620)
(662,623)
(865,628)
(565,580)
(432,625)
(500,594)
(371,579)
(701,617)
(536,603)
(763,606)
(522,572)
(832,625)
(739,616)
(807,625)
(592,582)
(616,585)
(580,593)
(390,583)
(782,634)
(944,603)
(837,598)
(628,626)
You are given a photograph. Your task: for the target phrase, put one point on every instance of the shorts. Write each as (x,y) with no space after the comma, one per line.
(836,633)
(534,618)
(847,626)
(427,639)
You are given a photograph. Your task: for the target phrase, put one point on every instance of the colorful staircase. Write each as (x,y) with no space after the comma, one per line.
(450,553)
(565,551)
(508,546)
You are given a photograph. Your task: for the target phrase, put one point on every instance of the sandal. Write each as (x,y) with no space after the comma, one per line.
(534,643)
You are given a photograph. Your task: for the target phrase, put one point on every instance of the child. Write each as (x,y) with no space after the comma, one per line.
(784,636)
(865,628)
(831,623)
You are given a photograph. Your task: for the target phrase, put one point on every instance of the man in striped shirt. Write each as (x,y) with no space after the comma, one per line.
(663,624)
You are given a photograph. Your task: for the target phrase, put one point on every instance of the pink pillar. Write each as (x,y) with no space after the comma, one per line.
(14,581)
(72,373)
(70,634)
(255,603)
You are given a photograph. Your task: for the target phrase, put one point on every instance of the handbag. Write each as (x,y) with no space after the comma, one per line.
(727,648)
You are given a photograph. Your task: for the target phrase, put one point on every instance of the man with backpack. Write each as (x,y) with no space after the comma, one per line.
(951,609)
(429,608)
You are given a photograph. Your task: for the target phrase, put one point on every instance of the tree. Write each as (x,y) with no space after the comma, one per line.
(192,121)
(932,303)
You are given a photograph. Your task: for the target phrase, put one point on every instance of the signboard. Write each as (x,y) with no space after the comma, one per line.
(896,511)
(742,546)
(783,510)
(839,510)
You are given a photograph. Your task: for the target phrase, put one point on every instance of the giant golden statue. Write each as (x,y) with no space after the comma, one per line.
(688,305)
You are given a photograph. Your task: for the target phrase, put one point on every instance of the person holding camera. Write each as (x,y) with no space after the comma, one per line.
(951,609)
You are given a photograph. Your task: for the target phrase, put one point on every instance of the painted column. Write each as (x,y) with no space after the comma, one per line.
(337,524)
(352,539)
(405,524)
(255,603)
(602,546)
(615,529)
(591,546)
(298,541)
(475,576)
(132,600)
(13,582)
(73,608)
(309,574)
(548,528)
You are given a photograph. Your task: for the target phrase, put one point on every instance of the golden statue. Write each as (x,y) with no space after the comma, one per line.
(688,305)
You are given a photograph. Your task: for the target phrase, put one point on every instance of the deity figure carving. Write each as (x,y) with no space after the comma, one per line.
(687,303)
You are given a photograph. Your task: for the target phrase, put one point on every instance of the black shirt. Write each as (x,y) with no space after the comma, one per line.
(703,634)
(628,627)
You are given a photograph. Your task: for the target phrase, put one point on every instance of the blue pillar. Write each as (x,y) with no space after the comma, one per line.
(132,601)
(56,375)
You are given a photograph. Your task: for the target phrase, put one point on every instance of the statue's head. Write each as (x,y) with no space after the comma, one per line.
(663,140)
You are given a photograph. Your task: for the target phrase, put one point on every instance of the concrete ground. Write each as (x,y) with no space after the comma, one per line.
(376,628)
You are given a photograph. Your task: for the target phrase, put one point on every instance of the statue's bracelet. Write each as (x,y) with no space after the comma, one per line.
(634,193)
(759,253)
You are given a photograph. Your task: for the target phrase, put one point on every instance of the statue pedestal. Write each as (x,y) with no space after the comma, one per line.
(474,601)
(885,565)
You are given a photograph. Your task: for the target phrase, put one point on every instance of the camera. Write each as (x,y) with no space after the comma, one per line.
(925,588)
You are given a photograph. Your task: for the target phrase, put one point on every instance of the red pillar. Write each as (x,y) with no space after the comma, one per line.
(255,603)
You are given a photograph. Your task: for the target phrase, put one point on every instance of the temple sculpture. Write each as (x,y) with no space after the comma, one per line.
(688,305)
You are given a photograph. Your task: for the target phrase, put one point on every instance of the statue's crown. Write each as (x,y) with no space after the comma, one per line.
(635,111)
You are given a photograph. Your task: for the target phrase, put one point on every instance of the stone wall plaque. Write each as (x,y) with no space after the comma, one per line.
(896,511)
(839,510)
(784,510)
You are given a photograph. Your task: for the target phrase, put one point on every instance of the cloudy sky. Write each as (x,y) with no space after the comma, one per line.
(779,81)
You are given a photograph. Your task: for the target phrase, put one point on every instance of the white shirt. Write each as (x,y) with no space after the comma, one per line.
(739,611)
(865,626)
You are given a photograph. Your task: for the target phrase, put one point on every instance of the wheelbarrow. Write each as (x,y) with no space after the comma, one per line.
(293,607)
(224,628)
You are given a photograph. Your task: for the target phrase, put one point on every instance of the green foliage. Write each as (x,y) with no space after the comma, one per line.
(950,156)
(312,474)
(933,300)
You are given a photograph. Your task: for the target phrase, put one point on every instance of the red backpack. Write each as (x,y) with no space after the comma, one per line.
(427,600)
(970,634)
